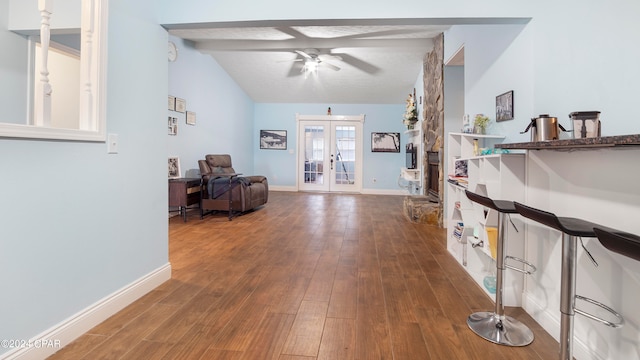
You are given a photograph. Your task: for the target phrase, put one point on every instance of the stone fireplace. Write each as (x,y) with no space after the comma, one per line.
(429,207)
(432,188)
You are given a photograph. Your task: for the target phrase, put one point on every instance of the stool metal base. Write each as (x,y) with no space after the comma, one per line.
(506,331)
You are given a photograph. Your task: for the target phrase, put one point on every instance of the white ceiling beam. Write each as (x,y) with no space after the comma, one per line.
(289,45)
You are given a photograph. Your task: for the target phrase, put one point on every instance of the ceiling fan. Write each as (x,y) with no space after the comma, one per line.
(312,60)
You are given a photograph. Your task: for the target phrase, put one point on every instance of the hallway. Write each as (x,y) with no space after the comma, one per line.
(308,276)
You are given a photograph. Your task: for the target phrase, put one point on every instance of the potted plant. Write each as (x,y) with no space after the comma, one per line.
(480,123)
(411,113)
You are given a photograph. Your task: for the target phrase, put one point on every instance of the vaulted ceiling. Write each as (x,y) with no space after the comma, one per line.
(359,61)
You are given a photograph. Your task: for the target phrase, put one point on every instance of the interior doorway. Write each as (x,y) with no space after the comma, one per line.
(330,153)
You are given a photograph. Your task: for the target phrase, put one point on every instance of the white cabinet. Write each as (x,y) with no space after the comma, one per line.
(497,176)
(414,176)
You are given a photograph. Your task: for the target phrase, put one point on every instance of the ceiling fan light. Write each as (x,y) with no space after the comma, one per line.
(310,67)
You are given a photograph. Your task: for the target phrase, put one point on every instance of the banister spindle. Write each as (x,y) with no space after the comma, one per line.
(44,90)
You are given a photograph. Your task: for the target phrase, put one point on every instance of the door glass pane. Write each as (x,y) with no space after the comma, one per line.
(313,154)
(345,138)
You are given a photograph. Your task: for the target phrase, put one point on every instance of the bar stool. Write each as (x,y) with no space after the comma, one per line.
(619,242)
(496,326)
(571,229)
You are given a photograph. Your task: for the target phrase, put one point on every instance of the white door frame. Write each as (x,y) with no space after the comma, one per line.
(329,119)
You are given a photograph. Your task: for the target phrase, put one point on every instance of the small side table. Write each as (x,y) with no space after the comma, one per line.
(184,192)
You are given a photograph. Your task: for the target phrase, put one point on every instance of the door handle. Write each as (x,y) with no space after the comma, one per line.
(331,161)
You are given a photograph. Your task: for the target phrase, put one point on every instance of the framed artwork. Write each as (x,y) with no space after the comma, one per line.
(273,139)
(385,142)
(172,103)
(174,167)
(504,106)
(181,105)
(191,118)
(172,124)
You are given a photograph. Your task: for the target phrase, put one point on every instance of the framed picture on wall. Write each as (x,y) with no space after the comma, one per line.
(172,103)
(181,105)
(504,106)
(273,139)
(172,125)
(191,118)
(385,142)
(174,167)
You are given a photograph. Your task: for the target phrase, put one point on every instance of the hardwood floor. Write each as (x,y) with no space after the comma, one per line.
(308,276)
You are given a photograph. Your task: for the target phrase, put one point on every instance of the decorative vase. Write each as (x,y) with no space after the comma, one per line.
(479,130)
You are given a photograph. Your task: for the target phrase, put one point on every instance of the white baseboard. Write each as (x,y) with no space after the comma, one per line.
(78,324)
(282,188)
(550,321)
(384,192)
(364,191)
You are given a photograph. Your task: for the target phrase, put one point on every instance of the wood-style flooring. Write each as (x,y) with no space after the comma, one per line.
(308,276)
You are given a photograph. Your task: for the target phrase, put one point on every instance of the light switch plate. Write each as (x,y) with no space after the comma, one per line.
(112,144)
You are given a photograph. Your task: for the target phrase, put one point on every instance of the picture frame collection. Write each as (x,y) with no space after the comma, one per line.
(178,105)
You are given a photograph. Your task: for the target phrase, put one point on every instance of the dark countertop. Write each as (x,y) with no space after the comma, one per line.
(599,142)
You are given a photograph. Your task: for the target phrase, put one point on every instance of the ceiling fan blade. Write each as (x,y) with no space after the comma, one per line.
(286,61)
(360,64)
(295,69)
(303,54)
(330,66)
(329,57)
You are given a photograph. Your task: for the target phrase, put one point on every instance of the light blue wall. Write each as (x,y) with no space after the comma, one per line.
(280,166)
(224,113)
(229,122)
(579,57)
(13,71)
(556,64)
(79,224)
(453,109)
(498,58)
(66,14)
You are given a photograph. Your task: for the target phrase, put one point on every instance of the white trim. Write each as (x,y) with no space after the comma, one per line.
(384,192)
(282,188)
(78,324)
(364,191)
(330,121)
(359,118)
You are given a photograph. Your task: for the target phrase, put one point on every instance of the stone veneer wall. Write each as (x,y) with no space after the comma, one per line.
(417,208)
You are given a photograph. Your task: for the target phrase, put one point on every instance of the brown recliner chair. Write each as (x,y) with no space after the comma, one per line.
(247,192)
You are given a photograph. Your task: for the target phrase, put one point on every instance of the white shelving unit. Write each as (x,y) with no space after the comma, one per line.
(500,177)
(415,175)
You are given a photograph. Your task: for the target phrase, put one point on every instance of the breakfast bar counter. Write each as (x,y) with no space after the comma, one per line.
(564,144)
(593,179)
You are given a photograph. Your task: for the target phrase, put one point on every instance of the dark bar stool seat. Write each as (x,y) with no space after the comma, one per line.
(496,326)
(571,229)
(619,242)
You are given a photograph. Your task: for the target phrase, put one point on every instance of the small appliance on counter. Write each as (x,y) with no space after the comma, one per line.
(544,128)
(586,124)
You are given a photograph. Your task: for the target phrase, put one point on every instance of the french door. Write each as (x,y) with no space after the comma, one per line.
(330,153)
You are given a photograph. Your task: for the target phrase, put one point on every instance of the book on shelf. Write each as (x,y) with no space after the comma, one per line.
(458,230)
(459,180)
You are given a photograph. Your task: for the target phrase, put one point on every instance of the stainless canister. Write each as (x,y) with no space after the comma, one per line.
(544,128)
